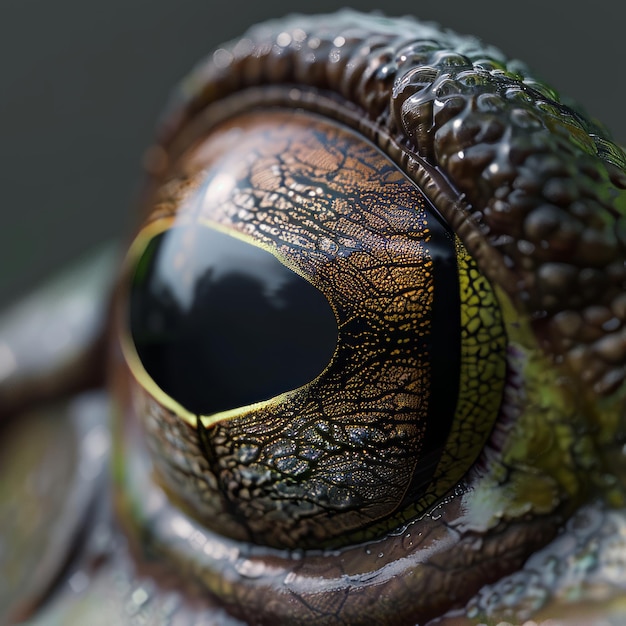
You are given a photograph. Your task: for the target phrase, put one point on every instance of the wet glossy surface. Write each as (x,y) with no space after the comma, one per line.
(220,323)
(528,525)
(401,410)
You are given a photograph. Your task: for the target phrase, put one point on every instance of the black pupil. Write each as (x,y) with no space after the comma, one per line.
(219,323)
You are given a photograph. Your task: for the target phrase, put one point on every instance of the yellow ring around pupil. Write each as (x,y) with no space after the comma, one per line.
(392,423)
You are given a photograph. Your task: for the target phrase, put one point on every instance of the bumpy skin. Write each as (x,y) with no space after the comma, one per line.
(536,195)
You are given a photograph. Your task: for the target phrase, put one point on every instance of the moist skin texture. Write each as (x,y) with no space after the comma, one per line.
(535,195)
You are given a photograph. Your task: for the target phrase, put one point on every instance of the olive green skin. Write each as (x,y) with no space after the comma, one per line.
(536,194)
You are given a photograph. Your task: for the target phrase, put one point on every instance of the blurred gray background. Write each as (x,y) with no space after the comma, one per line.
(83,82)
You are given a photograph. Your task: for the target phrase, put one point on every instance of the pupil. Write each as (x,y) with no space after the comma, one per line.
(219,323)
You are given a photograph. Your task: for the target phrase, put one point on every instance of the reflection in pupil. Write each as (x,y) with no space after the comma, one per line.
(219,323)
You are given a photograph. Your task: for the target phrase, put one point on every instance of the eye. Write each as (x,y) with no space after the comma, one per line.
(369,324)
(375,414)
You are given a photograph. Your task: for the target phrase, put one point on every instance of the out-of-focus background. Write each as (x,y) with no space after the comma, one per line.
(82,84)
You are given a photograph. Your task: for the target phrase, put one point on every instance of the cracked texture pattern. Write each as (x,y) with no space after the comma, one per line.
(410,395)
(536,191)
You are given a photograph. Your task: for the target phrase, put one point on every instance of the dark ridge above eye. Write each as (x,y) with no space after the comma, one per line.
(219,323)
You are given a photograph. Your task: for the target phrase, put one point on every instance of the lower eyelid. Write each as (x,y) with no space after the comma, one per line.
(420,560)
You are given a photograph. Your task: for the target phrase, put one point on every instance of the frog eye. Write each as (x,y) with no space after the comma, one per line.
(394,403)
(371,325)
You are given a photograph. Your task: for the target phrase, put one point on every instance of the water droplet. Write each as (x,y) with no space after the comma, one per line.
(222,58)
(299,35)
(283,39)
(250,569)
(78,581)
(139,596)
(181,527)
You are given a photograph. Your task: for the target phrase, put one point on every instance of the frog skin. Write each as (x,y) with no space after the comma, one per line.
(384,152)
